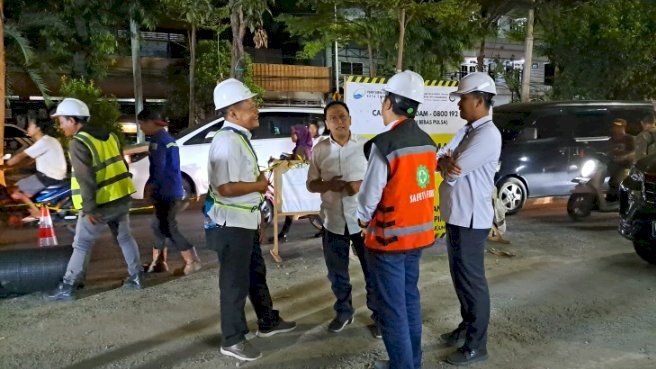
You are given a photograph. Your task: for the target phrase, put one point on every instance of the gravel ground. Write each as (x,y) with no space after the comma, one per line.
(574,296)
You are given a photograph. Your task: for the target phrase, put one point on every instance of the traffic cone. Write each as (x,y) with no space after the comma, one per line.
(47,235)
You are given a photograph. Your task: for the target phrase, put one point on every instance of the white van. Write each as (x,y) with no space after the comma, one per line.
(270,139)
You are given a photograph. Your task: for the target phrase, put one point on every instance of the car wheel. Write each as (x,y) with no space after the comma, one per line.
(645,248)
(580,206)
(512,194)
(187,189)
(267,212)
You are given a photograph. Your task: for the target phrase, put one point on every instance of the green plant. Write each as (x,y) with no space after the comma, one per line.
(104,111)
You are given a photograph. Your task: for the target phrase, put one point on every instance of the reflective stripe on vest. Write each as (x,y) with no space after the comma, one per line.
(249,148)
(403,220)
(112,176)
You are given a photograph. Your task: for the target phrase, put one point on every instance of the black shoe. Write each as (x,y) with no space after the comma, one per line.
(242,351)
(375,331)
(337,324)
(455,338)
(466,356)
(281,327)
(134,282)
(63,292)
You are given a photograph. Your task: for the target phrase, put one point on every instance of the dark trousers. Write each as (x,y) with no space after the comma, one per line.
(336,254)
(395,277)
(242,273)
(287,225)
(466,249)
(165,225)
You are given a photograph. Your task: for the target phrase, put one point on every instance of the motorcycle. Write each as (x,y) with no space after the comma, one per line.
(638,208)
(57,197)
(591,189)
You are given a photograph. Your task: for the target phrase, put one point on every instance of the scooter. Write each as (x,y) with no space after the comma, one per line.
(591,188)
(57,197)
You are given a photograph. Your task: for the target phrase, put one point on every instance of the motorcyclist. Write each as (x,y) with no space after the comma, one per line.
(622,152)
(51,165)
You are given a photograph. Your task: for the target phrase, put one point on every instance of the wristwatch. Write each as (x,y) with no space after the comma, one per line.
(362,225)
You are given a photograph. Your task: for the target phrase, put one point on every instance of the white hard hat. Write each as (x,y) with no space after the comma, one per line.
(407,84)
(230,91)
(72,108)
(477,81)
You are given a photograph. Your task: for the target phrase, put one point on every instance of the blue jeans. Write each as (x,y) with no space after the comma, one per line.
(85,237)
(395,277)
(466,249)
(336,253)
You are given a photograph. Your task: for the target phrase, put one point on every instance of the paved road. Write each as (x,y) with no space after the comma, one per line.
(574,296)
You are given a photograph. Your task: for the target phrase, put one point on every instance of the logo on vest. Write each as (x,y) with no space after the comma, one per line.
(423,177)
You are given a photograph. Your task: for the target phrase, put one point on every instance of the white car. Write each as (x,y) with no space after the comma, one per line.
(270,139)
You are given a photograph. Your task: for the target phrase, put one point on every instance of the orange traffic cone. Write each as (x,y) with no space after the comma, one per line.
(47,235)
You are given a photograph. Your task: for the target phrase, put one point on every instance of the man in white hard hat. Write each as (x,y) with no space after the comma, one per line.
(101,187)
(395,211)
(465,199)
(232,210)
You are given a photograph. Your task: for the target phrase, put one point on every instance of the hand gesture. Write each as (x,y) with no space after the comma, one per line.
(262,183)
(336,184)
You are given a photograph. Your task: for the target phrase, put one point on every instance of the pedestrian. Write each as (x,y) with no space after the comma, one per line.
(465,205)
(395,211)
(303,142)
(232,209)
(622,153)
(645,141)
(101,188)
(336,172)
(164,190)
(51,165)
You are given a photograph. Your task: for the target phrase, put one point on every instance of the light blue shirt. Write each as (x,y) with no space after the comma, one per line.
(465,200)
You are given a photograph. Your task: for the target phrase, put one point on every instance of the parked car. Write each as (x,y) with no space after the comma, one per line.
(544,143)
(270,139)
(16,139)
(638,208)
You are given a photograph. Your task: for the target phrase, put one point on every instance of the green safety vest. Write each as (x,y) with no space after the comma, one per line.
(249,148)
(112,175)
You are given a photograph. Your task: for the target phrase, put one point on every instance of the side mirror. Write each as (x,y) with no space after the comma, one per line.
(528,134)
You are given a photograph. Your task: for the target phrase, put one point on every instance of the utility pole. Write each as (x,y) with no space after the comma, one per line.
(528,55)
(136,76)
(2,89)
(336,58)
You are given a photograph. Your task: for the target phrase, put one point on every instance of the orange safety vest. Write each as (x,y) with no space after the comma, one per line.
(403,220)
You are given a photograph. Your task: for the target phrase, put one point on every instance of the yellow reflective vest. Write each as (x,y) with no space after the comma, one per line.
(112,175)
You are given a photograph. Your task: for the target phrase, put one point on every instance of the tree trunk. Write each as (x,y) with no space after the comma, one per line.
(192,69)
(528,56)
(399,57)
(372,63)
(238,31)
(2,89)
(480,58)
(136,75)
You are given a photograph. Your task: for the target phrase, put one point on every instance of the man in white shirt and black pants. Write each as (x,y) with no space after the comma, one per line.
(336,171)
(232,223)
(465,205)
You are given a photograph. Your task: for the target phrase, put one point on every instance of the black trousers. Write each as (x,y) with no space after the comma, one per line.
(242,273)
(466,249)
(165,225)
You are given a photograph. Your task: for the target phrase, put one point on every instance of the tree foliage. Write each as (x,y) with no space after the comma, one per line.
(104,111)
(601,49)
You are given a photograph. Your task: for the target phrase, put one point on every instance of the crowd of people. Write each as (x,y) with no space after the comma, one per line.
(377,199)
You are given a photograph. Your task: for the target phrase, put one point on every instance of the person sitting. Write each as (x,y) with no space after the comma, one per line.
(51,164)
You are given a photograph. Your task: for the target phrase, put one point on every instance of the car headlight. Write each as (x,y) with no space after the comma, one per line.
(636,175)
(588,168)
